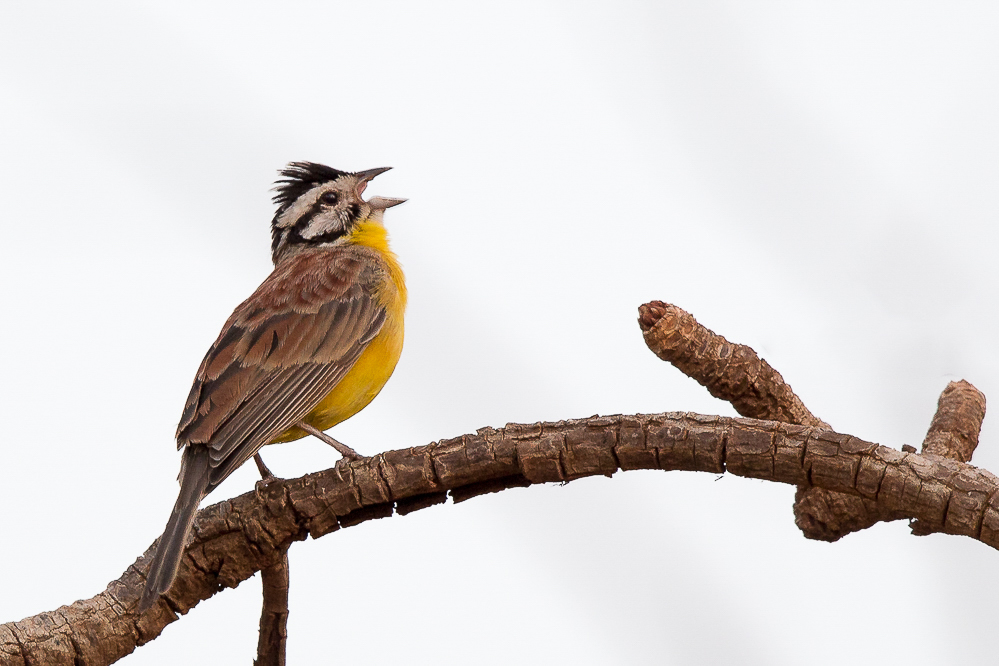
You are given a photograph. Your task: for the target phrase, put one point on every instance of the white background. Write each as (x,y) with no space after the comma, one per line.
(817,182)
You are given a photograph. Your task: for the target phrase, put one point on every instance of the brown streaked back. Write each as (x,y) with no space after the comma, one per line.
(282,351)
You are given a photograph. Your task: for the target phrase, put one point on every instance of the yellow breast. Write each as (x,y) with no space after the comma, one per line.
(377,362)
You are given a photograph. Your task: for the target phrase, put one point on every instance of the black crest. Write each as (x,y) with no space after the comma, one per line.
(299,178)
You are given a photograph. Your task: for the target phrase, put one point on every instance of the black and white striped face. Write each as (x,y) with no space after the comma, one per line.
(318,205)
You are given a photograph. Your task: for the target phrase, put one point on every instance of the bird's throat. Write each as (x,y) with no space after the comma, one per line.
(373,234)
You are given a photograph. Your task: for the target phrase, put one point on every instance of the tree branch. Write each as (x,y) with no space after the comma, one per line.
(735,373)
(274,614)
(957,423)
(859,480)
(732,372)
(236,538)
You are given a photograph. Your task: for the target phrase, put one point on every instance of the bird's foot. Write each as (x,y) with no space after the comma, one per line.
(266,476)
(345,451)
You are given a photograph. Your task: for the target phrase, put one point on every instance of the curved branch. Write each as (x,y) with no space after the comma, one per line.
(736,374)
(236,538)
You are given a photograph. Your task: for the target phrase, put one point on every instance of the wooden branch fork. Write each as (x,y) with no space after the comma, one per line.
(844,484)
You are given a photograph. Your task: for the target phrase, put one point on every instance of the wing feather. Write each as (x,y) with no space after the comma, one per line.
(281,352)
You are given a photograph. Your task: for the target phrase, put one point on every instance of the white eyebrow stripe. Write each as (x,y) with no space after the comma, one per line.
(302,205)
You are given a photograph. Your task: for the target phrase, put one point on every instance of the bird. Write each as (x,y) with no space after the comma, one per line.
(311,347)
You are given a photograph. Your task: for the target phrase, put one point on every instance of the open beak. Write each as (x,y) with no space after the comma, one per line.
(365,176)
(381,203)
(377,203)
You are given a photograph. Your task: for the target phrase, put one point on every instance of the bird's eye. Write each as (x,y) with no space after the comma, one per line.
(328,198)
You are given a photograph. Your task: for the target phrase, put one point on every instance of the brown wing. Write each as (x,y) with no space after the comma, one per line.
(281,352)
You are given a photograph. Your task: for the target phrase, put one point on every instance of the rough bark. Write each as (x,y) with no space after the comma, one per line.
(958,420)
(236,538)
(844,484)
(730,372)
(273,637)
(735,373)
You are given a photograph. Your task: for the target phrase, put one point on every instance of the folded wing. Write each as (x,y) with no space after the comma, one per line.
(282,351)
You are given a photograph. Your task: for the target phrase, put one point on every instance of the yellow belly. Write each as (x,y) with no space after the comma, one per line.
(375,365)
(359,386)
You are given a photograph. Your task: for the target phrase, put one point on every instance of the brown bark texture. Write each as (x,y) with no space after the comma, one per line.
(234,539)
(273,637)
(955,427)
(735,373)
(731,372)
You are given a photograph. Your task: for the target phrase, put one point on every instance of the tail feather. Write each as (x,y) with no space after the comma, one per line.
(194,473)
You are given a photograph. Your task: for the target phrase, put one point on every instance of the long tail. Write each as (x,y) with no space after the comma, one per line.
(194,481)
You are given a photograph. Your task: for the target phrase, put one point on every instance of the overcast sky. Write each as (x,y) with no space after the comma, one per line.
(817,182)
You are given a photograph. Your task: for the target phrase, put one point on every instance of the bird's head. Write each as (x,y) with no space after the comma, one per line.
(319,205)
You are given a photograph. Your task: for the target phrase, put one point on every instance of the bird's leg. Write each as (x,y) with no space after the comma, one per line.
(265,474)
(344,450)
